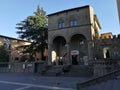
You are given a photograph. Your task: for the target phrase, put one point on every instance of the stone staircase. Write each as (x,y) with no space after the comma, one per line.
(69,71)
(54,71)
(80,71)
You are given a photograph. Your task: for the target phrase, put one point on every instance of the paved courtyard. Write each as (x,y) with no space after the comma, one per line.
(29,81)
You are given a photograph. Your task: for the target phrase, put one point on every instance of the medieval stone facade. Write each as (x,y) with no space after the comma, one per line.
(70,35)
(74,38)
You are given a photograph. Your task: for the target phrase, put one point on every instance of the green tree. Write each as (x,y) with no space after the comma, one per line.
(34,28)
(4,57)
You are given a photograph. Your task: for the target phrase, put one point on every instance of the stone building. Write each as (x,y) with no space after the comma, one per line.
(11,45)
(74,38)
(71,34)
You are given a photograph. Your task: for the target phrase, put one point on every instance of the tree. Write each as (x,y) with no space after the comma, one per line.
(34,28)
(4,57)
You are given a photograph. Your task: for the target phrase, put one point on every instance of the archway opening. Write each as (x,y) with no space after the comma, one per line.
(78,45)
(106,53)
(54,57)
(59,46)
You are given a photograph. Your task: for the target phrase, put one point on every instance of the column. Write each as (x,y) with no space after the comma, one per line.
(49,54)
(90,50)
(68,54)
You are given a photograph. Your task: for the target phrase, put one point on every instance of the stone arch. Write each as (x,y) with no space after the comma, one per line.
(73,17)
(61,19)
(55,36)
(59,48)
(76,33)
(58,38)
(78,43)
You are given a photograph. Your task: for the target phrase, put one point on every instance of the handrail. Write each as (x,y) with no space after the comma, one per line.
(99,79)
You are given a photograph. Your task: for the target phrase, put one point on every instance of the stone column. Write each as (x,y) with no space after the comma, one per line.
(49,54)
(90,50)
(68,54)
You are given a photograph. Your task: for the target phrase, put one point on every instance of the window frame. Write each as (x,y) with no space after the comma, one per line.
(73,22)
(61,24)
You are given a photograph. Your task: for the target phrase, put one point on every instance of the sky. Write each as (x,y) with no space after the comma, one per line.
(15,11)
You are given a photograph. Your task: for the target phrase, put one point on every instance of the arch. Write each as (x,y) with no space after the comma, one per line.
(61,19)
(73,17)
(76,33)
(55,36)
(106,53)
(77,41)
(80,35)
(78,45)
(53,56)
(59,46)
(59,39)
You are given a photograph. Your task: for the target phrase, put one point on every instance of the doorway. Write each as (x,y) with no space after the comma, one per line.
(75,59)
(106,53)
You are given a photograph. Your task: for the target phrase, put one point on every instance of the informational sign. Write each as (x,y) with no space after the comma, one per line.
(74,52)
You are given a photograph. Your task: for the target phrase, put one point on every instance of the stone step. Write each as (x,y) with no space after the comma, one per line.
(73,71)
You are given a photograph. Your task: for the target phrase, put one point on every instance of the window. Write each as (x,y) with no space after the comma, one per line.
(73,23)
(81,42)
(5,45)
(61,24)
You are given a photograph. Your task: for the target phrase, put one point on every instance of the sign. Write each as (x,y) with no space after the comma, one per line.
(74,52)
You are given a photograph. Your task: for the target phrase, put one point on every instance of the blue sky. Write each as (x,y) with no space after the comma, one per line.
(14,11)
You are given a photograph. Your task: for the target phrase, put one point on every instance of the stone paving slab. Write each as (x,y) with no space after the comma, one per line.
(30,81)
(6,85)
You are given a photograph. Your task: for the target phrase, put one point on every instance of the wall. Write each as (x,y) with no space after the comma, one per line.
(12,45)
(30,67)
(112,44)
(83,27)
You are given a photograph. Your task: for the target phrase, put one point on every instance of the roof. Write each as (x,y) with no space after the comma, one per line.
(69,10)
(14,38)
(107,33)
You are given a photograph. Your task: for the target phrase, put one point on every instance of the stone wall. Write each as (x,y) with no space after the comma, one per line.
(30,67)
(112,44)
(102,67)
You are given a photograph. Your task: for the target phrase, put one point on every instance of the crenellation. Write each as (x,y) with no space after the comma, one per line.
(118,36)
(111,38)
(114,37)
